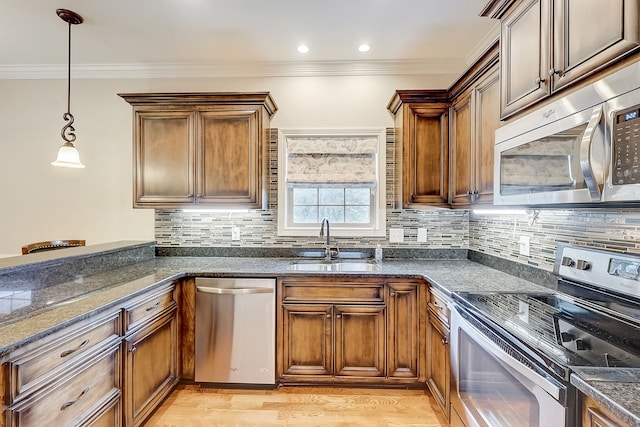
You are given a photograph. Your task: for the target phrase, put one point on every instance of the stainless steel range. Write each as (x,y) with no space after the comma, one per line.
(512,353)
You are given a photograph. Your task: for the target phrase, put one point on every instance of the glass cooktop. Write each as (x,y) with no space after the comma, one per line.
(560,327)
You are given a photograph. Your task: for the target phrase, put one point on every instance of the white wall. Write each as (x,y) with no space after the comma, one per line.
(42,202)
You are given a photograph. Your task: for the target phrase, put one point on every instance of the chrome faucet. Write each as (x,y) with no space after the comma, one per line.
(327,248)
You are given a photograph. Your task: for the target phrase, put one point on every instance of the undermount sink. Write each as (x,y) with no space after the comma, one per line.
(333,266)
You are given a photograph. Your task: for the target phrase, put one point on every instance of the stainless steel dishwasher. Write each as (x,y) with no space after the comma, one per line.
(235,331)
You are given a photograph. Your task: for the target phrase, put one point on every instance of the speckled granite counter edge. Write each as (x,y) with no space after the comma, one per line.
(590,388)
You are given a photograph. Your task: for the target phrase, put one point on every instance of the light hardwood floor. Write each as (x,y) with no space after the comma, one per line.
(192,405)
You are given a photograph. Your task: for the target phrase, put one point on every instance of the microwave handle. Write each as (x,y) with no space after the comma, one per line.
(591,132)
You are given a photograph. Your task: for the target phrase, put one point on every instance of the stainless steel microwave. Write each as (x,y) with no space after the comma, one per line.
(581,149)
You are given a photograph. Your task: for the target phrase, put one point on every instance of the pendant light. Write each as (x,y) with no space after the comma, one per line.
(68,156)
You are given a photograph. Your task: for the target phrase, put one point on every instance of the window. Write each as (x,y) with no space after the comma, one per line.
(338,175)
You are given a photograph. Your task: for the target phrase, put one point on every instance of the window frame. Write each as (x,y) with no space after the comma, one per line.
(375,228)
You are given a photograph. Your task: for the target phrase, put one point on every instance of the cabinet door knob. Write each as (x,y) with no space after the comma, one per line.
(338,316)
(553,71)
(393,294)
(540,80)
(328,316)
(445,341)
(133,349)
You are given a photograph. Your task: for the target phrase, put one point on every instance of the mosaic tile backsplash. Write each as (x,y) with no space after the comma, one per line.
(494,235)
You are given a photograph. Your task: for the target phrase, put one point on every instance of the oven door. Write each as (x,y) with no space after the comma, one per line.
(495,385)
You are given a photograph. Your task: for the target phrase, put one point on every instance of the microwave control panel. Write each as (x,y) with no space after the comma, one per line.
(625,147)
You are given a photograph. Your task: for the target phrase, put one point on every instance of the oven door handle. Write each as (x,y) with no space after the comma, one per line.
(545,384)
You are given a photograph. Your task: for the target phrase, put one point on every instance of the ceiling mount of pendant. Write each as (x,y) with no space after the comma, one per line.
(69,16)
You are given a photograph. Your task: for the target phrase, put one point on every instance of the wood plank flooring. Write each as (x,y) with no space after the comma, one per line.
(196,406)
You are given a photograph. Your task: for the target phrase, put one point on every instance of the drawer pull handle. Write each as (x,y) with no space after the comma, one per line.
(82,345)
(65,405)
(153,307)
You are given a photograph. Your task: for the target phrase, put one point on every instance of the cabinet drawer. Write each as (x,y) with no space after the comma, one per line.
(74,394)
(49,356)
(336,293)
(148,306)
(106,413)
(438,305)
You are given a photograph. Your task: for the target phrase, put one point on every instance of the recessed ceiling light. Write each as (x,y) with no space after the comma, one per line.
(303,48)
(364,48)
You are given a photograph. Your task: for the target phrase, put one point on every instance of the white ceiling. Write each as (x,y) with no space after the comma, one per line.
(170,38)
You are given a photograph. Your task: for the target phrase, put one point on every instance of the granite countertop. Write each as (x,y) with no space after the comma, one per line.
(617,389)
(35,309)
(30,308)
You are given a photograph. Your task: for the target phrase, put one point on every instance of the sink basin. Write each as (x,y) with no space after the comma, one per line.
(333,266)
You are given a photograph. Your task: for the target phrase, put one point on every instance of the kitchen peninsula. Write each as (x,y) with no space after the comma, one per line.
(95,284)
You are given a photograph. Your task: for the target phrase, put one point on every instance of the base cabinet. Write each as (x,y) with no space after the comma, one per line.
(345,331)
(593,414)
(151,358)
(438,361)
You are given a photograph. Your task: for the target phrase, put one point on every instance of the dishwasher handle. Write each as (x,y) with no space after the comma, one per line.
(233,291)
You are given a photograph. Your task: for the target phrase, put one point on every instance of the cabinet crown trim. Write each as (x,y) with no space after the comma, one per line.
(203,98)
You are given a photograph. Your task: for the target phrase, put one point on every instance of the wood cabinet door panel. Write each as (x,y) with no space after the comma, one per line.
(461,150)
(438,365)
(151,366)
(229,157)
(524,53)
(578,48)
(487,120)
(426,157)
(359,341)
(307,340)
(403,318)
(164,157)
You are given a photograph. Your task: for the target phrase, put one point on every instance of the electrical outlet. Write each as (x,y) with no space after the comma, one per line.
(396,235)
(235,232)
(422,235)
(524,245)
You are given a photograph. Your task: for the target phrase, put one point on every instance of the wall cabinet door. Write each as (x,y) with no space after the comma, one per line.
(151,366)
(462,160)
(164,155)
(307,341)
(524,55)
(589,34)
(422,147)
(475,116)
(359,341)
(229,151)
(487,120)
(403,325)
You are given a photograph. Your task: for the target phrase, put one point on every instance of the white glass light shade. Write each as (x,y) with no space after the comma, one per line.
(68,157)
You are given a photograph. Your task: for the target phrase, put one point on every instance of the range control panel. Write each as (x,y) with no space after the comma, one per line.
(619,272)
(625,147)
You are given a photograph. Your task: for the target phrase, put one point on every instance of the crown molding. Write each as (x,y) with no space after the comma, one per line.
(240,69)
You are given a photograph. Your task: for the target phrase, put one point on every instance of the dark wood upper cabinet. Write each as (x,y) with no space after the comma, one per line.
(422,147)
(205,149)
(548,45)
